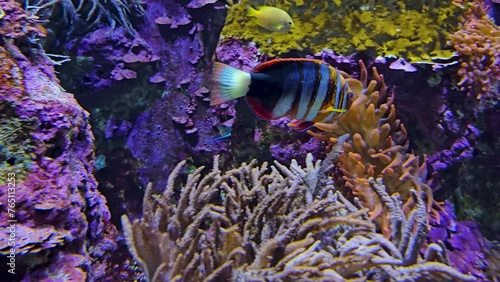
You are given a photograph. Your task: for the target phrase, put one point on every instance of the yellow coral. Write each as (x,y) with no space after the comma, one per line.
(397,31)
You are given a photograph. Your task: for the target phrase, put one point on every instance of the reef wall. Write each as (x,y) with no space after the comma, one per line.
(58,221)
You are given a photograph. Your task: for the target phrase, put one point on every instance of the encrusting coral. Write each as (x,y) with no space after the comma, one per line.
(478,46)
(276,224)
(411,29)
(378,148)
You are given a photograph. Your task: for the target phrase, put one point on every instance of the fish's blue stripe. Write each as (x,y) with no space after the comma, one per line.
(338,90)
(346,91)
(309,70)
(291,85)
(322,91)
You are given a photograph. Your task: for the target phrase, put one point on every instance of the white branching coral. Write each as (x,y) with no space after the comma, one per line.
(280,223)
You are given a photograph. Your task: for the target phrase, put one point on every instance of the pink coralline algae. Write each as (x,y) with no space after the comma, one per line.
(200,3)
(47,151)
(16,23)
(175,22)
(284,152)
(232,51)
(177,39)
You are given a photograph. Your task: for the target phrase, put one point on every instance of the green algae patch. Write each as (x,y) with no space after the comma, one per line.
(15,147)
(418,33)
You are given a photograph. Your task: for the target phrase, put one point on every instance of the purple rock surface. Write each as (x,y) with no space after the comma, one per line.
(105,56)
(465,246)
(47,155)
(180,124)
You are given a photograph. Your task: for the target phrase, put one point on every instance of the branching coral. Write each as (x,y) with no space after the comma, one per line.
(378,148)
(250,225)
(478,44)
(85,12)
(403,29)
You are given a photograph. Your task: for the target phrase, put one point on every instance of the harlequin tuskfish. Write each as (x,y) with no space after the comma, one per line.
(305,90)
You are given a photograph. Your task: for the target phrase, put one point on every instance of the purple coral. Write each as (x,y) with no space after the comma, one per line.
(465,245)
(460,150)
(234,52)
(284,152)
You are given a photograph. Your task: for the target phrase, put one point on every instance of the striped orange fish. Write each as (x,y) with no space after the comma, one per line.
(305,90)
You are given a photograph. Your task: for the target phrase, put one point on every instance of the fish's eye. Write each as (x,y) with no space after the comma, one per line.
(350,95)
(290,23)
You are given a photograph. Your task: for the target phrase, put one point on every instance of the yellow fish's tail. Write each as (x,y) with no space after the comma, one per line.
(251,12)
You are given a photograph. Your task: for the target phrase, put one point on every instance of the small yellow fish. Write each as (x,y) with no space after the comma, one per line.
(271,18)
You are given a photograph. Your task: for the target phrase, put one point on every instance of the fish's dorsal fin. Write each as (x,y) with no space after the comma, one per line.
(284,60)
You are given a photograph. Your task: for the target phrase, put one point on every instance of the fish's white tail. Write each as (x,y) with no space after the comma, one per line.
(228,83)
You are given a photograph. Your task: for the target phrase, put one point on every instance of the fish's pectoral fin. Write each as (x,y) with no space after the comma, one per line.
(330,109)
(300,125)
(339,110)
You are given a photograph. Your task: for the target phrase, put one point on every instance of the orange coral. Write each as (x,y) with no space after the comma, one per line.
(478,44)
(378,148)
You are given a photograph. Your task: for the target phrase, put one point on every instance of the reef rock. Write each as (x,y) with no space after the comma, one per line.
(48,195)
